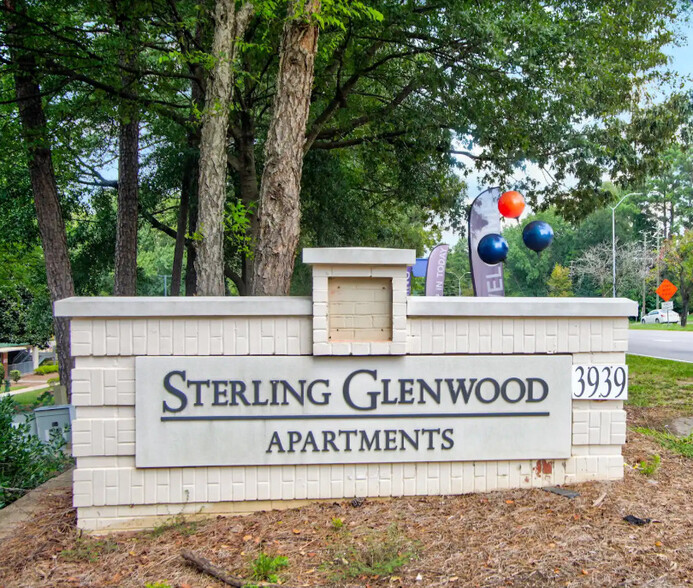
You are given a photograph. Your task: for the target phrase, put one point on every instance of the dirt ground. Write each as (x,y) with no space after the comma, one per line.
(508,538)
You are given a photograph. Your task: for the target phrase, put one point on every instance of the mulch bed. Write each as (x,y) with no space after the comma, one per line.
(509,538)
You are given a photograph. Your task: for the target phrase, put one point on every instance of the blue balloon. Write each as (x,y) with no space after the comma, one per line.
(537,235)
(492,248)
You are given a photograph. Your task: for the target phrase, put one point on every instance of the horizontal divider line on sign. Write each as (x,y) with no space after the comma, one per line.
(349,416)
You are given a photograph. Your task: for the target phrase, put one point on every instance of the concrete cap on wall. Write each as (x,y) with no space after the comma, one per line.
(187,306)
(451,306)
(358,256)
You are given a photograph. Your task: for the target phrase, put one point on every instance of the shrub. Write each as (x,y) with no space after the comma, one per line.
(89,549)
(43,399)
(649,468)
(377,553)
(25,461)
(46,369)
(15,375)
(265,567)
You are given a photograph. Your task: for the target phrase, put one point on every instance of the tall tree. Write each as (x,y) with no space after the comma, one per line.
(280,188)
(43,183)
(125,280)
(229,27)
(667,197)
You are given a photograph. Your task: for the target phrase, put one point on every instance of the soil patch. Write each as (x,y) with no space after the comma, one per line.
(508,538)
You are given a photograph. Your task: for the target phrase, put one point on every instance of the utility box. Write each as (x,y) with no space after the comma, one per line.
(22,418)
(54,420)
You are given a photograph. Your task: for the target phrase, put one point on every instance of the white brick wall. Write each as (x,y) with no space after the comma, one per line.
(116,490)
(109,492)
(438,335)
(192,336)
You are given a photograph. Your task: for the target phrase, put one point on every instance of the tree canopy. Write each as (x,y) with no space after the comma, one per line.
(405,99)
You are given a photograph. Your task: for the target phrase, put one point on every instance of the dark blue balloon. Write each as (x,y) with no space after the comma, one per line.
(492,248)
(537,235)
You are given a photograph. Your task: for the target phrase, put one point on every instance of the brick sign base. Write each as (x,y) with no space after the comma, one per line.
(127,478)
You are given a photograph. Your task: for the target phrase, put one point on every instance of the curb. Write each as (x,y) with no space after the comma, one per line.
(25,508)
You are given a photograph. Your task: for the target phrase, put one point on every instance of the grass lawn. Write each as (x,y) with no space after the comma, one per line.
(662,327)
(26,399)
(659,382)
(660,390)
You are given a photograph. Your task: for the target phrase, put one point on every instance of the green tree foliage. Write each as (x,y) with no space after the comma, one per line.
(25,308)
(667,197)
(559,283)
(397,105)
(677,258)
(526,272)
(574,245)
(458,278)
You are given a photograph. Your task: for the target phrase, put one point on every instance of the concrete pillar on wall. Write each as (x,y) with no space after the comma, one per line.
(359,300)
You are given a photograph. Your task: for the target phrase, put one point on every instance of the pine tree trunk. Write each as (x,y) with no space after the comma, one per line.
(125,280)
(187,214)
(179,248)
(249,189)
(685,292)
(46,201)
(128,203)
(190,272)
(280,188)
(209,263)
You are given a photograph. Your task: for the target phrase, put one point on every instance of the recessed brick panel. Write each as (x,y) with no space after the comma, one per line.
(359,309)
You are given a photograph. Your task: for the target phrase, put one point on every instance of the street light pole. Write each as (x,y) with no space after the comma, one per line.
(459,280)
(658,235)
(613,242)
(166,277)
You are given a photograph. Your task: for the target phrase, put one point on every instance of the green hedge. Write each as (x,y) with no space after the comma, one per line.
(26,462)
(46,369)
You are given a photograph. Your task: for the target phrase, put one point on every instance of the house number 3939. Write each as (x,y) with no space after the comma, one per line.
(600,382)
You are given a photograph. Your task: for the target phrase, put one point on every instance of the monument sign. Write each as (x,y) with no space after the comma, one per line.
(205,406)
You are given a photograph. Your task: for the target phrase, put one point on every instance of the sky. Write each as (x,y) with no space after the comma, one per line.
(681,62)
(682,57)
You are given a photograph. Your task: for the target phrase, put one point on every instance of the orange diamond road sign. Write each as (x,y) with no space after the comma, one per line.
(666,290)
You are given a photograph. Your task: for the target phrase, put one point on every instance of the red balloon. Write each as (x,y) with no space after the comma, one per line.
(511,204)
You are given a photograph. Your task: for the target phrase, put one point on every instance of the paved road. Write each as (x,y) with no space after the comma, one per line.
(664,344)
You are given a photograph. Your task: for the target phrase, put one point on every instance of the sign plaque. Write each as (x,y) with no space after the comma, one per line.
(282,410)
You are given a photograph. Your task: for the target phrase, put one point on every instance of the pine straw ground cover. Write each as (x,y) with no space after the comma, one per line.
(508,538)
